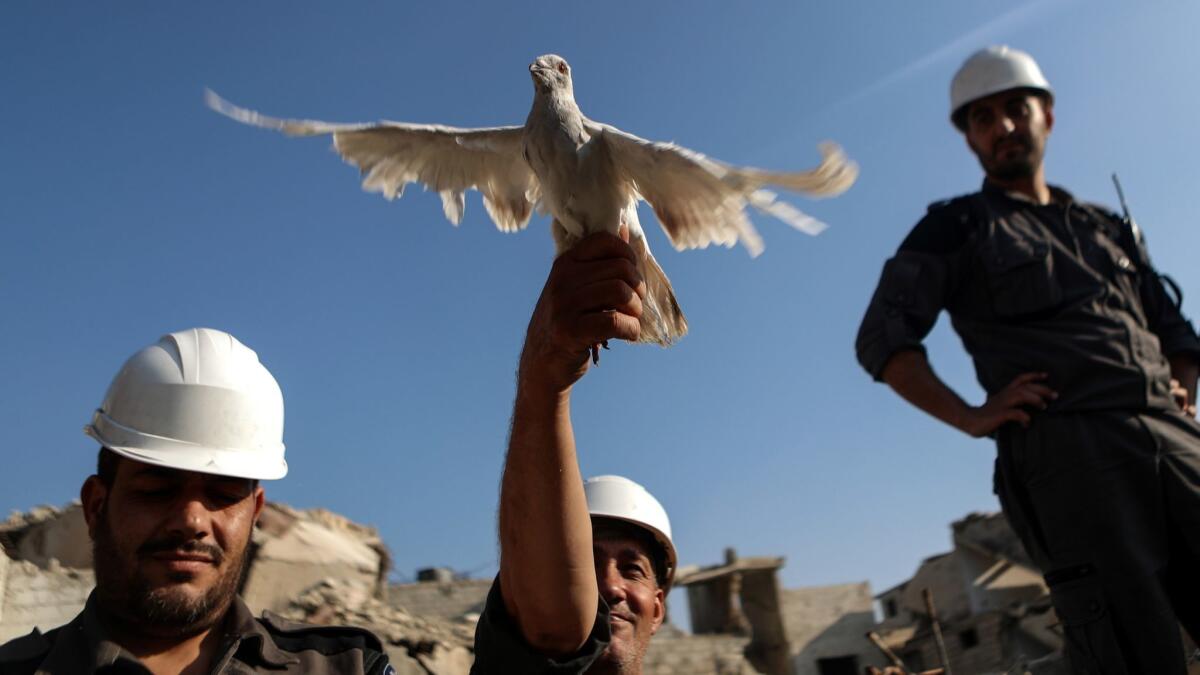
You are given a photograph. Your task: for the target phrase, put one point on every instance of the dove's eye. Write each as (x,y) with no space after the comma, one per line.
(562,67)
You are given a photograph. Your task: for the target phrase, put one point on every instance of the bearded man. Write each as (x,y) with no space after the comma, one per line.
(187,430)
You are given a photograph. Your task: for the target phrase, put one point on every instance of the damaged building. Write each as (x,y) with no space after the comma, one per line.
(992,606)
(814,630)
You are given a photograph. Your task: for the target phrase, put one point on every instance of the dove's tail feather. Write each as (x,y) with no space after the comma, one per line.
(833,176)
(662,321)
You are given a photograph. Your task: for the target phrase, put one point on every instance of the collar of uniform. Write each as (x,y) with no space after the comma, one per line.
(1057,194)
(82,646)
(251,638)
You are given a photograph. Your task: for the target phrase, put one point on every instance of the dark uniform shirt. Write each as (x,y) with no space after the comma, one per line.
(1065,288)
(250,645)
(500,648)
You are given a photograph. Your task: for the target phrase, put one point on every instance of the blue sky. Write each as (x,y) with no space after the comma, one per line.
(129,210)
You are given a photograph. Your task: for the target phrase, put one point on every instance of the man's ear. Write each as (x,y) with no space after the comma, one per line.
(260,499)
(92,496)
(1048,110)
(660,610)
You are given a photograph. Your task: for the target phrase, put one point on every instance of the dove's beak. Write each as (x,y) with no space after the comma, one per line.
(538,73)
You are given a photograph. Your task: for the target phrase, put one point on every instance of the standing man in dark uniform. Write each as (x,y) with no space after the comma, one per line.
(1089,367)
(187,429)
(585,566)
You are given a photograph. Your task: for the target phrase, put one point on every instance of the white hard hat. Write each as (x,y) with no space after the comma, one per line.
(990,71)
(198,400)
(619,498)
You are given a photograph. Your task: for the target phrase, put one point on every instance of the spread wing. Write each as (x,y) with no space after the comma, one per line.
(702,201)
(447,160)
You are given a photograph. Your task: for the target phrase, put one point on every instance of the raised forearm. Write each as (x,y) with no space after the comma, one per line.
(547,573)
(547,576)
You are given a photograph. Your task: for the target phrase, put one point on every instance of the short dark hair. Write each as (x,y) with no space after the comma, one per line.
(612,528)
(107,462)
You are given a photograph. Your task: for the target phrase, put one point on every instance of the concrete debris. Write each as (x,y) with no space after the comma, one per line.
(294,549)
(437,646)
(32,596)
(47,533)
(452,600)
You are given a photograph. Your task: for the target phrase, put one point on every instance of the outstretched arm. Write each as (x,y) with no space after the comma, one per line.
(547,576)
(908,373)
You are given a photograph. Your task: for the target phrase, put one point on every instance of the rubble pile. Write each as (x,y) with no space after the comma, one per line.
(45,569)
(422,645)
(294,550)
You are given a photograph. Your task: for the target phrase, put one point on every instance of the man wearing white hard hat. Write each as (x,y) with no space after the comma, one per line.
(1089,367)
(585,566)
(188,428)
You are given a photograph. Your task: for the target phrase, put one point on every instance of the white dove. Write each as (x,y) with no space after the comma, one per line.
(588,176)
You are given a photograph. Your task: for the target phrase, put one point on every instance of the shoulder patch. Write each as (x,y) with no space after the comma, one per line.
(1118,227)
(295,636)
(26,648)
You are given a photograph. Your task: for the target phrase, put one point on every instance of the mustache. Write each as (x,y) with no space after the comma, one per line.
(1017,139)
(181,545)
(622,614)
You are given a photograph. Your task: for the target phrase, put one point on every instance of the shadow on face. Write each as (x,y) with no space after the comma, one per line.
(169,546)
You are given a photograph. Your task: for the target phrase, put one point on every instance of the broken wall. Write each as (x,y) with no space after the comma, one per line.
(673,652)
(943,576)
(828,622)
(45,598)
(768,650)
(441,600)
(47,533)
(415,645)
(293,550)
(45,569)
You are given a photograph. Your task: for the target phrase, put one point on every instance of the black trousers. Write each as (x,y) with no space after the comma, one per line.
(1107,503)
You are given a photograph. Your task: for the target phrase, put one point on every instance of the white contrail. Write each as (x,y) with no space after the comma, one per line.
(960,46)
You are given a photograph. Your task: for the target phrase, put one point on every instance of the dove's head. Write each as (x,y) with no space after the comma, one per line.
(551,74)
